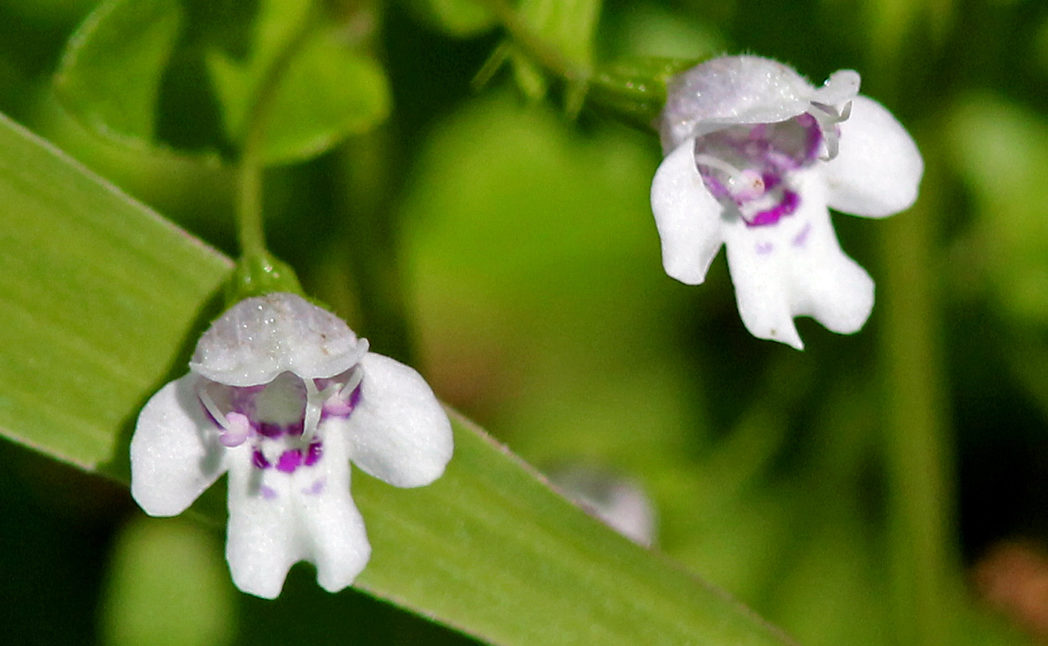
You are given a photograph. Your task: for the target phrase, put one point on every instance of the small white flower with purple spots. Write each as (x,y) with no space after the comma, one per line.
(754,156)
(283,395)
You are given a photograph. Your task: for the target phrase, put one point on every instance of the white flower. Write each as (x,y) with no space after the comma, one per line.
(754,155)
(282,395)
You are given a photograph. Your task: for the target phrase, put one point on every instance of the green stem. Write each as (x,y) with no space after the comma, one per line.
(916,443)
(250,164)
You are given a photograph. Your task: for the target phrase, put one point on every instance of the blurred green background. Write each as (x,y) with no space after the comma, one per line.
(509,253)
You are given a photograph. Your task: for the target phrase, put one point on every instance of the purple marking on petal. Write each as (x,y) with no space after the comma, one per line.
(786,206)
(801,238)
(295,428)
(764,248)
(289,461)
(270,430)
(267,492)
(354,398)
(313,454)
(258,460)
(316,488)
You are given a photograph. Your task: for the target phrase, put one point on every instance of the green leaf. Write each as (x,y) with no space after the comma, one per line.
(328,92)
(111,71)
(457,17)
(1001,151)
(101,299)
(567,27)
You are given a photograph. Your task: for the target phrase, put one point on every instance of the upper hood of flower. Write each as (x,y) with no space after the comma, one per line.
(743,90)
(261,337)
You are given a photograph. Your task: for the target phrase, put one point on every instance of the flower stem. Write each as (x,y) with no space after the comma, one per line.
(916,446)
(250,230)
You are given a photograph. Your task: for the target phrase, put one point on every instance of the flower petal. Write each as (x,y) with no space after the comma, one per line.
(263,539)
(340,547)
(758,259)
(842,86)
(688,217)
(175,455)
(797,268)
(398,431)
(731,90)
(878,168)
(259,338)
(278,518)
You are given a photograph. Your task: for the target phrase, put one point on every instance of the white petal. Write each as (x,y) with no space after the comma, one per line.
(758,259)
(731,90)
(259,338)
(263,537)
(398,431)
(687,216)
(797,268)
(277,519)
(340,547)
(175,452)
(878,168)
(842,86)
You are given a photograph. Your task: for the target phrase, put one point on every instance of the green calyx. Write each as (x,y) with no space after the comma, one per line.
(258,275)
(634,90)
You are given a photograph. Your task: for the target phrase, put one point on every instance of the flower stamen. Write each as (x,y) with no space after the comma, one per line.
(741,185)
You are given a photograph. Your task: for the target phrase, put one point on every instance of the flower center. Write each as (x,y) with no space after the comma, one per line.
(280,420)
(749,167)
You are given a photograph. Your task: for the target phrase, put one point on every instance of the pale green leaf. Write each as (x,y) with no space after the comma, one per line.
(101,299)
(457,17)
(328,92)
(112,68)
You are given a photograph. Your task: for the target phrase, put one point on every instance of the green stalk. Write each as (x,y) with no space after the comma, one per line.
(250,229)
(259,272)
(916,443)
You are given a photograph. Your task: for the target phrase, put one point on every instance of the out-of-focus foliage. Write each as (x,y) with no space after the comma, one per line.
(456,17)
(517,248)
(179,563)
(158,85)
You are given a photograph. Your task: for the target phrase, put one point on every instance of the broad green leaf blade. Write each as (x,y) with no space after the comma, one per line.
(97,296)
(99,300)
(111,72)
